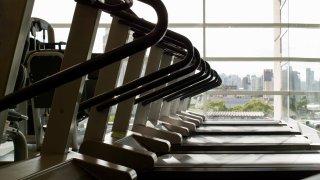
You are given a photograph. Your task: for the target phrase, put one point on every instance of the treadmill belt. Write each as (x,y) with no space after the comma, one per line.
(233,166)
(243,143)
(311,160)
(243,122)
(243,139)
(245,130)
(238,119)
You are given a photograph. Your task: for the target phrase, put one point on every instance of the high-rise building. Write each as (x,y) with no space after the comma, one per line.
(246,82)
(294,80)
(256,83)
(268,82)
(309,79)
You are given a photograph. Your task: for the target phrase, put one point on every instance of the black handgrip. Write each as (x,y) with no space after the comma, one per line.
(149,86)
(95,63)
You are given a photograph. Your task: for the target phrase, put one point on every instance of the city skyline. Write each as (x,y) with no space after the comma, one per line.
(264,81)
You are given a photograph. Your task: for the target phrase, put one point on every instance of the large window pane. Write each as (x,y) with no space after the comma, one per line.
(184,11)
(246,42)
(235,11)
(285,45)
(179,11)
(304,76)
(304,11)
(304,42)
(58,11)
(306,108)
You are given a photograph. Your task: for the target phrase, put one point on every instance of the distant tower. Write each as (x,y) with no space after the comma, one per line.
(268,81)
(309,79)
(246,83)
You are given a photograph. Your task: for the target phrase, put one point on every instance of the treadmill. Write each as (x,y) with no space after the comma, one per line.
(225,129)
(205,166)
(243,141)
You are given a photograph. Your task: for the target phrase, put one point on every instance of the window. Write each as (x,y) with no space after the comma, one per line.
(239,42)
(235,11)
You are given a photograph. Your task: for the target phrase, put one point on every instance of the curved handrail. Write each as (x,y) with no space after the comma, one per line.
(150,85)
(193,88)
(213,84)
(95,63)
(182,84)
(146,79)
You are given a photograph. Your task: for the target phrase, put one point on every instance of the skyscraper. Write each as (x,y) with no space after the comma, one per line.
(309,79)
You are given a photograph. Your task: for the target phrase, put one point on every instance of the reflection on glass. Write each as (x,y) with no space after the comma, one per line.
(285,45)
(285,13)
(285,76)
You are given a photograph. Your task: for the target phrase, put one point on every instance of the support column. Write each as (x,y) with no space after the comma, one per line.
(170,107)
(66,98)
(107,81)
(152,66)
(277,64)
(124,109)
(155,107)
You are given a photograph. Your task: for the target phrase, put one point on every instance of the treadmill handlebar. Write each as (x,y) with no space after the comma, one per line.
(146,79)
(149,86)
(182,84)
(79,70)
